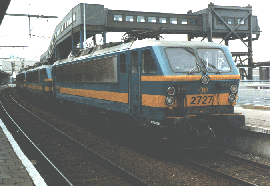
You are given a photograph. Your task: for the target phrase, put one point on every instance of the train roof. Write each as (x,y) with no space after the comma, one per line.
(39,67)
(143,43)
(140,44)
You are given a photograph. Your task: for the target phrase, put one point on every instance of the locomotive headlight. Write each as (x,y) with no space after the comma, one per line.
(169,100)
(234,89)
(205,79)
(232,98)
(171,91)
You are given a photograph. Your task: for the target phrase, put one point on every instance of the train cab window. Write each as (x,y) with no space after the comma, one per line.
(181,59)
(123,63)
(134,62)
(77,73)
(148,63)
(214,59)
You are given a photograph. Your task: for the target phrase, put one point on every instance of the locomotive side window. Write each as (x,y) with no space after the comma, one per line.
(123,63)
(68,72)
(101,70)
(33,76)
(181,59)
(64,74)
(87,76)
(77,72)
(148,63)
(59,73)
(43,74)
(20,78)
(134,62)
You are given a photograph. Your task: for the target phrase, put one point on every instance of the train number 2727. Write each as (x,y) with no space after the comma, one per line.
(202,100)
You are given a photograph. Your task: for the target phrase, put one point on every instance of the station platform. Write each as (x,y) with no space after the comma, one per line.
(257,117)
(15,167)
(254,102)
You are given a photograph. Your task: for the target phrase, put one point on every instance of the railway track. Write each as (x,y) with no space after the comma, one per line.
(236,169)
(91,159)
(66,160)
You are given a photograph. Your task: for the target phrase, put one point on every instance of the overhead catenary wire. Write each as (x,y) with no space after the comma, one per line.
(29,16)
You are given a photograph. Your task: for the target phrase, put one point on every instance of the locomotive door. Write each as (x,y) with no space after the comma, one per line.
(134,83)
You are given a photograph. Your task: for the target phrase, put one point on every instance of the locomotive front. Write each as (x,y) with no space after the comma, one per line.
(200,84)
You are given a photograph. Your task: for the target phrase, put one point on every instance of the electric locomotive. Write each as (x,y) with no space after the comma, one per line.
(20,81)
(36,81)
(184,90)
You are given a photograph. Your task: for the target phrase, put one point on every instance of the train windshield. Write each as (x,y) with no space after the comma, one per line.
(196,60)
(214,60)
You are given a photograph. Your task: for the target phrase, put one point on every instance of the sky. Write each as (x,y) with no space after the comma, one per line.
(15,30)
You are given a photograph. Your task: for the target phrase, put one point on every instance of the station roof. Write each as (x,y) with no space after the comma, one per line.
(3,8)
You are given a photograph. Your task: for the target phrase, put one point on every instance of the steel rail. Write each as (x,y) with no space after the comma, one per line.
(216,172)
(36,146)
(243,160)
(143,182)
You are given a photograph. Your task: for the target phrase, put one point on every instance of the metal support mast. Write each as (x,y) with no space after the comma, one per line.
(250,54)
(84,30)
(29,16)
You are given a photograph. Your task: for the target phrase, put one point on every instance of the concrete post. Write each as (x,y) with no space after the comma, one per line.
(81,39)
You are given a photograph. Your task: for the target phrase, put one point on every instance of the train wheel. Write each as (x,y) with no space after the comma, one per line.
(197,134)
(206,135)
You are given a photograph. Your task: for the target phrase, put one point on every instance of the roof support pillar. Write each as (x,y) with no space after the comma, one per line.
(189,37)
(72,42)
(81,39)
(210,26)
(104,37)
(250,53)
(227,42)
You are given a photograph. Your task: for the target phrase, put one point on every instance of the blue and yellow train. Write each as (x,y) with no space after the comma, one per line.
(37,81)
(188,89)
